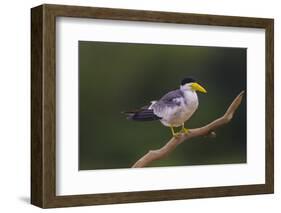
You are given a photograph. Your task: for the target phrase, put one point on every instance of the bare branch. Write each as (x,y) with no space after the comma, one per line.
(207,130)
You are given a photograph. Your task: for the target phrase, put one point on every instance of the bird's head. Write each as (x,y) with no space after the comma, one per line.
(190,84)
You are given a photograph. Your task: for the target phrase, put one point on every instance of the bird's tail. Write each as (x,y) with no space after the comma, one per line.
(142,115)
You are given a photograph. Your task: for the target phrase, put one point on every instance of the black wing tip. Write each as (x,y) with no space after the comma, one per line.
(141,115)
(129,115)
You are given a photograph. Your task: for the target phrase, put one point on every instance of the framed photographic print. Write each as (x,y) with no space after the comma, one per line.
(135,106)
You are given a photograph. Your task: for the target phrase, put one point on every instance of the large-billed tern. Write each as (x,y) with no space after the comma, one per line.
(174,108)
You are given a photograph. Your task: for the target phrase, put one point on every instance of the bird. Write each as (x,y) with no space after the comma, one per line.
(173,109)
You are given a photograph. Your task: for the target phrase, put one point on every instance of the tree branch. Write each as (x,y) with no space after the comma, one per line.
(153,155)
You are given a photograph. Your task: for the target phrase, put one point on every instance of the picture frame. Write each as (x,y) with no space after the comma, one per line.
(43,105)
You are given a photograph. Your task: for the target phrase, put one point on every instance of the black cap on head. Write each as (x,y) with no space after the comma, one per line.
(187,80)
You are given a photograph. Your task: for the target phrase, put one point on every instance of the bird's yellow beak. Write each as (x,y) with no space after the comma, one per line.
(198,87)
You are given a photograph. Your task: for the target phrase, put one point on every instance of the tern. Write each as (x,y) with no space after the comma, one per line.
(174,108)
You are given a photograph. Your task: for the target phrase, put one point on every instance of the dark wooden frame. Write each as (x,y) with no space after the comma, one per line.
(43,106)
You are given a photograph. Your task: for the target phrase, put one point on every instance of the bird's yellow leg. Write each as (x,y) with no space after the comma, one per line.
(183,129)
(173,132)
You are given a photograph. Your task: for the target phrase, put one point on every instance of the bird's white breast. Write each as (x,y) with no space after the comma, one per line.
(176,116)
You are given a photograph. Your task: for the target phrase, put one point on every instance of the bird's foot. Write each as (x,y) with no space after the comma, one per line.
(185,130)
(176,134)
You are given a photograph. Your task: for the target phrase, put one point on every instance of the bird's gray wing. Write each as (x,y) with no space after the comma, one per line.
(170,100)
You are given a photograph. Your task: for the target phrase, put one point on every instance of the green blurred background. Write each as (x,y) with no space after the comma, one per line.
(115,77)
